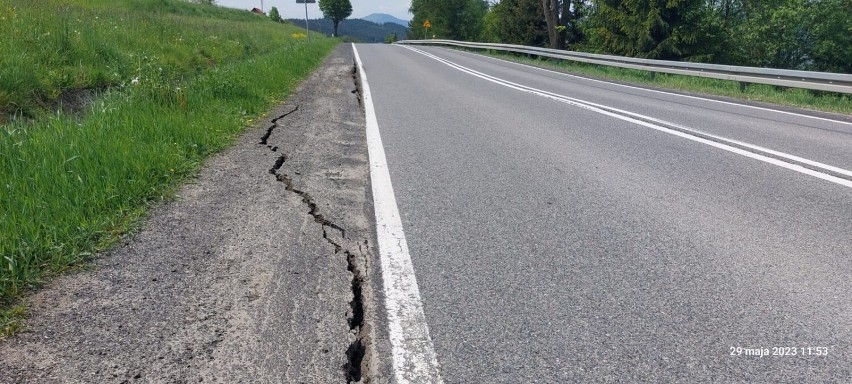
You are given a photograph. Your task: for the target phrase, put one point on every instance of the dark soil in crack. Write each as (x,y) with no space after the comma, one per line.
(353,251)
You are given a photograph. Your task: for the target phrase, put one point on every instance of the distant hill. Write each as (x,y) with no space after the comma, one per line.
(381,18)
(357,29)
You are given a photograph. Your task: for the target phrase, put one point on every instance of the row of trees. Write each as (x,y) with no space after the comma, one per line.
(794,34)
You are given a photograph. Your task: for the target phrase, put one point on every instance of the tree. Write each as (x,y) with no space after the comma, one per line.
(551,17)
(452,19)
(813,35)
(562,18)
(336,10)
(516,22)
(830,25)
(573,15)
(275,16)
(654,29)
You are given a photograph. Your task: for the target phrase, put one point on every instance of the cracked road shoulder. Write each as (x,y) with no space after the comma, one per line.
(260,270)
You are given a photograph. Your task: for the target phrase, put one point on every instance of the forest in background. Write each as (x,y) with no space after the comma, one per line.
(355,29)
(814,35)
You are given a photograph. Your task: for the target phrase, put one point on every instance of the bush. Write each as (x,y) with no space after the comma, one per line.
(275,16)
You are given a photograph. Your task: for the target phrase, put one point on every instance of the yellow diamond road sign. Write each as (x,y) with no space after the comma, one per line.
(427,24)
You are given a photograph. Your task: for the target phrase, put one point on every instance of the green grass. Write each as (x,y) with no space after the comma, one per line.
(51,46)
(179,81)
(12,319)
(801,98)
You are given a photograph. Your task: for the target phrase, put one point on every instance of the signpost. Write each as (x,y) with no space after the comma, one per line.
(426,26)
(306,2)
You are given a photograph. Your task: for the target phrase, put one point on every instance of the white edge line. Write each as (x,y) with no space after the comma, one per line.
(414,358)
(588,106)
(659,91)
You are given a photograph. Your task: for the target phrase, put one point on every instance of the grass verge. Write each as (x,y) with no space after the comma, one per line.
(12,319)
(177,83)
(800,98)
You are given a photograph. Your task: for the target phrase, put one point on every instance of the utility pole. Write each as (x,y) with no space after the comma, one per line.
(307,29)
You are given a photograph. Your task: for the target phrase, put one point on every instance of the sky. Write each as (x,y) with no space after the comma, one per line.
(290,10)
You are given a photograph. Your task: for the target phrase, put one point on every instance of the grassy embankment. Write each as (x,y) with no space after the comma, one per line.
(801,98)
(173,82)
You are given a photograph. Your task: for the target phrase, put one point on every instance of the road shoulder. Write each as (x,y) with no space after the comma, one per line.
(255,273)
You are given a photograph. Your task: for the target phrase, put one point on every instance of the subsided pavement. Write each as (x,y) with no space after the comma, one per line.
(259,270)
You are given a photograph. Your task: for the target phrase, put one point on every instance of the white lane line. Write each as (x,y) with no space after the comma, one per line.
(688,134)
(414,359)
(664,92)
(687,130)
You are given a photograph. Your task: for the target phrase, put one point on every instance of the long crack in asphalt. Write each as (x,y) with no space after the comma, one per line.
(356,258)
(357,80)
(265,137)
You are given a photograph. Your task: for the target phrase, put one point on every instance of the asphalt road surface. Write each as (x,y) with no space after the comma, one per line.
(568,230)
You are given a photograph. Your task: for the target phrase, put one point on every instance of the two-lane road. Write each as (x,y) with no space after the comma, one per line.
(569,230)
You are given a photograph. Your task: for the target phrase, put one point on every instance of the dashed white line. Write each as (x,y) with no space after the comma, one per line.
(414,359)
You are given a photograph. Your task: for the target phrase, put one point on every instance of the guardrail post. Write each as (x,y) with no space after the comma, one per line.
(743,86)
(653,76)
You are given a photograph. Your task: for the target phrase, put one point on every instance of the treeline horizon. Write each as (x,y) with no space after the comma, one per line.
(356,29)
(812,35)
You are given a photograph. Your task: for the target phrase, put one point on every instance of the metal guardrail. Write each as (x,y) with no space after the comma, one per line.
(821,81)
